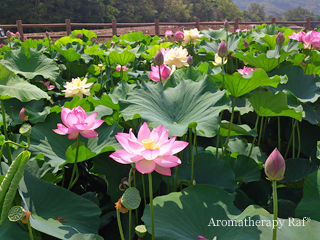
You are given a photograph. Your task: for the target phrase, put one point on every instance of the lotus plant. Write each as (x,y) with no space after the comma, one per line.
(274,169)
(246,70)
(168,33)
(179,36)
(191,36)
(162,75)
(76,121)
(150,151)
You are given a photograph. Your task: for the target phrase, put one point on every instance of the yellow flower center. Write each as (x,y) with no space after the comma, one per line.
(148,144)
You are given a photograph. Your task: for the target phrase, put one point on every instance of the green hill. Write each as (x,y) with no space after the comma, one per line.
(280,6)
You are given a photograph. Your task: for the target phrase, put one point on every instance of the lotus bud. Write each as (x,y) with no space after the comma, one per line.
(25,38)
(190,60)
(168,33)
(280,38)
(17,34)
(245,43)
(226,24)
(222,49)
(1,45)
(22,116)
(275,166)
(158,59)
(79,35)
(119,67)
(9,34)
(179,36)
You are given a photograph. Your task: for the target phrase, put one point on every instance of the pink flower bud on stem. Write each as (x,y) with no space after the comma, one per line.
(280,38)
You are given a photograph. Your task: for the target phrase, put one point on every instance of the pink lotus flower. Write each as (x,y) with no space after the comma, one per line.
(76,121)
(22,116)
(1,45)
(118,68)
(275,166)
(164,70)
(246,70)
(151,151)
(168,33)
(312,38)
(202,238)
(243,30)
(297,36)
(47,84)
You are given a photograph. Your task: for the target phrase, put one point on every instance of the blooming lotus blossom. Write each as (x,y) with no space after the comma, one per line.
(118,68)
(151,151)
(246,70)
(179,36)
(218,60)
(164,70)
(176,56)
(22,116)
(168,33)
(47,84)
(191,36)
(312,38)
(77,88)
(275,166)
(297,36)
(76,121)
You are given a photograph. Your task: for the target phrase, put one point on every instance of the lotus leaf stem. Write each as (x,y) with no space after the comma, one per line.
(119,225)
(5,131)
(299,140)
(192,159)
(254,139)
(275,208)
(75,166)
(30,231)
(260,131)
(144,191)
(230,126)
(130,211)
(279,137)
(151,205)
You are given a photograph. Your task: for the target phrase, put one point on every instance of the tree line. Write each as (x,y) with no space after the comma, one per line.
(96,11)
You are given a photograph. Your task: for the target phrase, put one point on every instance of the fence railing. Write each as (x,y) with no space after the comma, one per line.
(114,25)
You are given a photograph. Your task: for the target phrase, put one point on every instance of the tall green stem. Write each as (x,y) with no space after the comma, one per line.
(217,145)
(299,140)
(290,140)
(275,209)
(223,72)
(30,231)
(294,121)
(119,225)
(279,137)
(192,159)
(144,190)
(5,132)
(130,211)
(230,126)
(17,144)
(75,166)
(151,206)
(260,131)
(254,139)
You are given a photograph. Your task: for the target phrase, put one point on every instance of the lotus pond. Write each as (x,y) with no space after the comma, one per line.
(197,136)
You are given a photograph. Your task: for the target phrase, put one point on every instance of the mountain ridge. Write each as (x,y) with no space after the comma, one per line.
(280,6)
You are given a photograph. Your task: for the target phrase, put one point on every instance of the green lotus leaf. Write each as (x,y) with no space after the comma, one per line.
(122,58)
(189,73)
(312,113)
(209,170)
(242,147)
(187,214)
(236,130)
(266,104)
(12,86)
(57,211)
(305,87)
(309,206)
(13,231)
(34,116)
(297,169)
(89,34)
(69,54)
(114,172)
(176,108)
(239,85)
(30,63)
(119,92)
(245,169)
(153,50)
(267,61)
(215,34)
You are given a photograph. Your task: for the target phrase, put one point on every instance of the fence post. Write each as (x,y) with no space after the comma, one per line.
(20,29)
(236,24)
(273,20)
(308,24)
(68,27)
(198,23)
(114,27)
(156,27)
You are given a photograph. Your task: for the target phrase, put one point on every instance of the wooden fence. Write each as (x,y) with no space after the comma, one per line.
(68,26)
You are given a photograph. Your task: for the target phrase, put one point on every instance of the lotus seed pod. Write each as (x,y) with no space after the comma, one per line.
(131,198)
(25,129)
(16,213)
(141,230)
